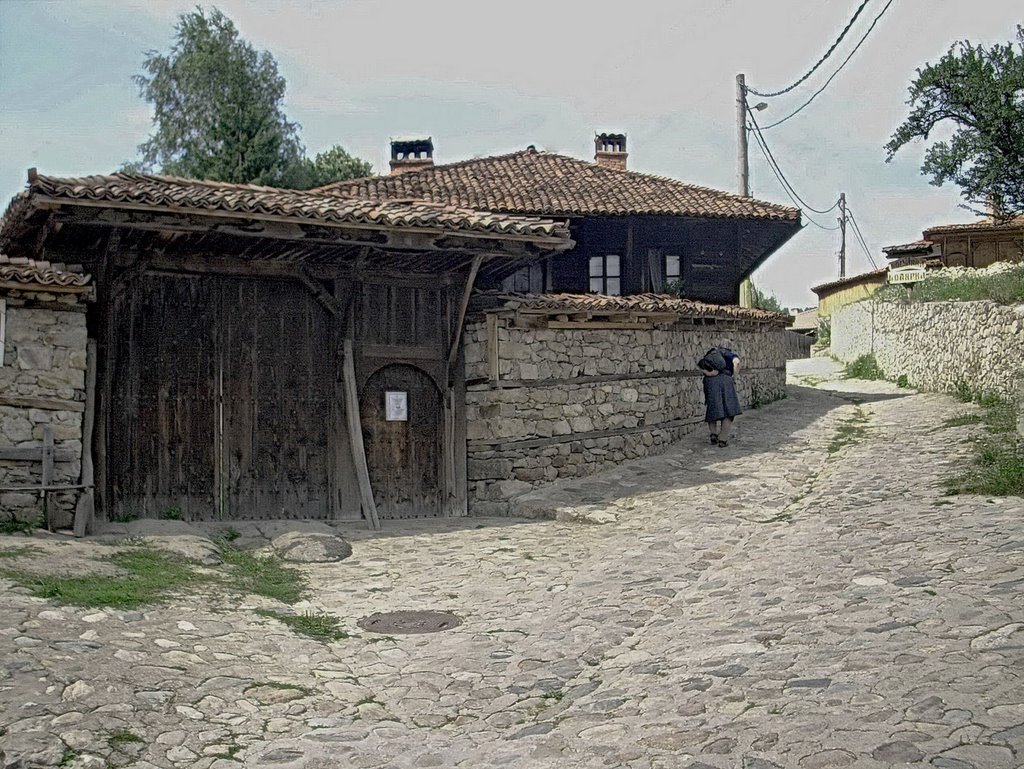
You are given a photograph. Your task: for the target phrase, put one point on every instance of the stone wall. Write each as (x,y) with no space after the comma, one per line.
(568,402)
(42,385)
(937,345)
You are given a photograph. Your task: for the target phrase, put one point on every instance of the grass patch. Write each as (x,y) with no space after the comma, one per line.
(268,576)
(850,431)
(865,367)
(14,526)
(1002,287)
(148,577)
(998,468)
(317,625)
(122,737)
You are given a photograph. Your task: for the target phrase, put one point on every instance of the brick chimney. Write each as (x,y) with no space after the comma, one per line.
(610,150)
(411,155)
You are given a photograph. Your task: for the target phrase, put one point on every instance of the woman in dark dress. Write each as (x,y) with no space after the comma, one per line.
(719,366)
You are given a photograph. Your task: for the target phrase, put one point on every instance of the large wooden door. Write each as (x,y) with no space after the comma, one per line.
(403,457)
(221,400)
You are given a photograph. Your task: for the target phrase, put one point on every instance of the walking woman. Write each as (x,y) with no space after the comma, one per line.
(719,366)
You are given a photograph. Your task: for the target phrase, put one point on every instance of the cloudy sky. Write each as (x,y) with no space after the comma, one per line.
(485,77)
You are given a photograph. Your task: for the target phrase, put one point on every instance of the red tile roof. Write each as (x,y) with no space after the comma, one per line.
(34,272)
(168,192)
(1015,223)
(547,184)
(853,280)
(917,247)
(638,304)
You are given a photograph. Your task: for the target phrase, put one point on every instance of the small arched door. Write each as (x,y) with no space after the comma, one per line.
(403,455)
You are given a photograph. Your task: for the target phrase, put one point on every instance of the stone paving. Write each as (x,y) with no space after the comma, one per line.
(782,602)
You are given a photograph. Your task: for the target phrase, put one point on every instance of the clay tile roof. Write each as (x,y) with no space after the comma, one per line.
(983,225)
(177,193)
(917,247)
(34,272)
(547,184)
(654,304)
(853,280)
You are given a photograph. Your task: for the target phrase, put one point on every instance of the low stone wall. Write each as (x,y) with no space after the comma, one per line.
(566,402)
(937,345)
(42,385)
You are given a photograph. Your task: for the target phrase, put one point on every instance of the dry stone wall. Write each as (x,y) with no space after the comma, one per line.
(567,403)
(937,345)
(42,385)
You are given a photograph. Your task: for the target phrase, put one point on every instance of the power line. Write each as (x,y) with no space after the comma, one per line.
(778,171)
(840,69)
(820,61)
(861,240)
(785,184)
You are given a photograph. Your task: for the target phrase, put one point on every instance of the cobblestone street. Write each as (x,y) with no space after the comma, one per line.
(805,597)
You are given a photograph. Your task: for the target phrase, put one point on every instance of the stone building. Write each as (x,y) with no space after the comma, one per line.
(42,387)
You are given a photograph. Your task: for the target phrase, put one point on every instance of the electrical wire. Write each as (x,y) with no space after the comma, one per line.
(785,184)
(778,170)
(861,240)
(820,61)
(832,77)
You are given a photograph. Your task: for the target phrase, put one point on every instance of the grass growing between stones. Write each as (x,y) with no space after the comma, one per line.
(17,552)
(317,625)
(14,526)
(998,468)
(865,367)
(850,431)
(269,577)
(147,577)
(122,738)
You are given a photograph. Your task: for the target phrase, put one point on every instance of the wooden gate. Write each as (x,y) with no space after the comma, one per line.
(221,400)
(403,457)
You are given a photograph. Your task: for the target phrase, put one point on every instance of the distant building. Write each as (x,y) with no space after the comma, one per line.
(838,293)
(976,245)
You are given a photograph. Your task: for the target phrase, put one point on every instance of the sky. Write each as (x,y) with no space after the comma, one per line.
(484,77)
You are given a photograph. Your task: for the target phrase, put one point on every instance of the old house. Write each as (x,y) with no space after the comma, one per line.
(634,233)
(260,353)
(976,245)
(844,291)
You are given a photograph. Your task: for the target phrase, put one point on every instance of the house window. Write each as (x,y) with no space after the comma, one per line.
(604,275)
(673,272)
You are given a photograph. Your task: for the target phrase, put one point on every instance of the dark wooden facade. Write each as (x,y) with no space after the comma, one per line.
(715,255)
(222,391)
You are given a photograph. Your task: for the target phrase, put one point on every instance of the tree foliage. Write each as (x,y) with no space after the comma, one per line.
(218,113)
(978,92)
(762,300)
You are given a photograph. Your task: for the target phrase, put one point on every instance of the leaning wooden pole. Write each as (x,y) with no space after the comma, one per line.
(355,434)
(85,510)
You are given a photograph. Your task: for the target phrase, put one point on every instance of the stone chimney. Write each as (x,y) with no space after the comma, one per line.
(411,155)
(610,150)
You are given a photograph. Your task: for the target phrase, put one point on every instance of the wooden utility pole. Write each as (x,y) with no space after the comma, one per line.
(742,167)
(842,235)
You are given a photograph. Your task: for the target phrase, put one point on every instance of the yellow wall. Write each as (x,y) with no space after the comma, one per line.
(828,302)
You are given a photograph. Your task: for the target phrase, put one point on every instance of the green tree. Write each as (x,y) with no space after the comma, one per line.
(765,301)
(218,113)
(979,93)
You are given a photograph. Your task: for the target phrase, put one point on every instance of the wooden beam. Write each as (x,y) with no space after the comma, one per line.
(355,437)
(321,294)
(492,347)
(85,509)
(34,454)
(47,472)
(453,352)
(46,404)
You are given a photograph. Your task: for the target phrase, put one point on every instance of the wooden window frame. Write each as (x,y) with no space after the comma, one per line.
(600,279)
(669,276)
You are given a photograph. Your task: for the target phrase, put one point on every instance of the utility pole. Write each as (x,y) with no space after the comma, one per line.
(742,168)
(842,235)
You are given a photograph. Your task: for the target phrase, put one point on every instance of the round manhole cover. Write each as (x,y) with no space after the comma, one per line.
(410,622)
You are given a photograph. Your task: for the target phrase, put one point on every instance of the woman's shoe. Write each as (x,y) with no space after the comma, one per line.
(714,438)
(723,442)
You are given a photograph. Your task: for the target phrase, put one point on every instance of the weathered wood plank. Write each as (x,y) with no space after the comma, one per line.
(85,508)
(34,454)
(355,436)
(463,305)
(47,472)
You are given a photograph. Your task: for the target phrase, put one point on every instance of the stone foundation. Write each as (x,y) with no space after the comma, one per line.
(42,385)
(566,403)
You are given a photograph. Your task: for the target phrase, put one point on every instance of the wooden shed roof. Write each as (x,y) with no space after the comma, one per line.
(32,272)
(547,184)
